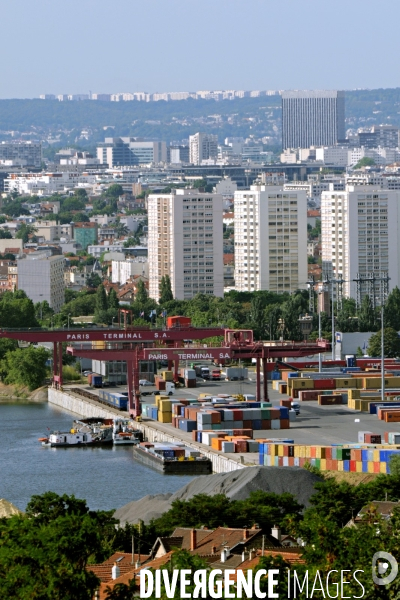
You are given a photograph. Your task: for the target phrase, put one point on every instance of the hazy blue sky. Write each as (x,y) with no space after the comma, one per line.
(50,46)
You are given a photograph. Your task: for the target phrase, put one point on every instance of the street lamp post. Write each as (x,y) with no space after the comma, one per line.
(69,314)
(382,354)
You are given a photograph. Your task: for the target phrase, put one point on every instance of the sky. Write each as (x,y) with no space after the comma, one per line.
(77,46)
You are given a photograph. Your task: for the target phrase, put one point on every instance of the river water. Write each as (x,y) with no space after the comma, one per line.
(105,477)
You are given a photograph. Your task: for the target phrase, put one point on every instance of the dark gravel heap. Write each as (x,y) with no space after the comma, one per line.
(236,485)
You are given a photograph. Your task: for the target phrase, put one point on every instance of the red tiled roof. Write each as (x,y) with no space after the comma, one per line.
(229,258)
(103,571)
(314,213)
(218,539)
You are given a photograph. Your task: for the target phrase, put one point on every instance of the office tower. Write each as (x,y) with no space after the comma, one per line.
(359,230)
(312,118)
(202,146)
(42,278)
(270,239)
(186,242)
(126,152)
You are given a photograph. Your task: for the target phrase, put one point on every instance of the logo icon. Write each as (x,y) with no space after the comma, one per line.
(384,568)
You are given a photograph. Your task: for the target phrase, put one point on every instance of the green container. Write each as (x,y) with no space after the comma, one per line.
(265,413)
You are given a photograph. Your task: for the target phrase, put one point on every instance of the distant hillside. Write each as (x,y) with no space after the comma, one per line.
(175,121)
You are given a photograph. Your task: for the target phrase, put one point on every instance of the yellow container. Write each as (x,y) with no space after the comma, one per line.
(346,383)
(302,384)
(98,345)
(383,467)
(323,464)
(370,467)
(167,375)
(280,449)
(358,466)
(340,465)
(165,405)
(165,417)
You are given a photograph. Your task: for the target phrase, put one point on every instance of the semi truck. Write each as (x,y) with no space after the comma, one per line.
(202,371)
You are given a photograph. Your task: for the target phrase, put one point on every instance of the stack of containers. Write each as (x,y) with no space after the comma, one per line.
(352,458)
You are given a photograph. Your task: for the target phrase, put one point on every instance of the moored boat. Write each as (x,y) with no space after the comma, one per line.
(76,437)
(124,434)
(172,458)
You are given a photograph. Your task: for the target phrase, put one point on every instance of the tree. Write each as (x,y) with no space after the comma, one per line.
(346,320)
(93,280)
(165,289)
(45,553)
(113,302)
(25,231)
(141,293)
(391,344)
(257,317)
(366,316)
(25,366)
(364,162)
(5,234)
(17,310)
(392,310)
(114,191)
(73,203)
(101,299)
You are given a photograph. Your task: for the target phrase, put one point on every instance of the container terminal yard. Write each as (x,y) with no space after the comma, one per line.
(342,423)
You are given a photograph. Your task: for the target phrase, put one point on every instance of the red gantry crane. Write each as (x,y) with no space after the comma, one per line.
(177,341)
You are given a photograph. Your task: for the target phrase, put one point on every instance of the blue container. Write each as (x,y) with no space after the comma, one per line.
(261,459)
(275,375)
(284,412)
(365,466)
(351,362)
(199,436)
(261,448)
(290,375)
(364,456)
(154,414)
(346,466)
(187,425)
(97,381)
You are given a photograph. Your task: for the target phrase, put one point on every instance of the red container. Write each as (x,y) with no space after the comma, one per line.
(237,414)
(291,462)
(386,437)
(285,424)
(372,438)
(89,378)
(353,468)
(328,399)
(377,467)
(266,424)
(178,322)
(295,393)
(328,453)
(215,417)
(286,403)
(248,424)
(240,446)
(194,435)
(190,383)
(275,413)
(308,395)
(324,384)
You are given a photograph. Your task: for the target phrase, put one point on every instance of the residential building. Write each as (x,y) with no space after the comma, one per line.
(42,278)
(270,239)
(127,151)
(186,243)
(333,156)
(46,184)
(122,270)
(13,246)
(360,238)
(21,153)
(50,231)
(202,146)
(178,154)
(312,118)
(85,234)
(379,135)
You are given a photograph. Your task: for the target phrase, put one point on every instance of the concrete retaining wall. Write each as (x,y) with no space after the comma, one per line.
(85,407)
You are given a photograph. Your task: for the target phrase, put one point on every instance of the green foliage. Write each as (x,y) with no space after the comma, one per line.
(112,300)
(93,280)
(141,294)
(81,306)
(101,299)
(366,316)
(364,162)
(346,320)
(73,203)
(70,374)
(263,508)
(5,234)
(392,310)
(391,344)
(25,367)
(166,294)
(17,310)
(25,231)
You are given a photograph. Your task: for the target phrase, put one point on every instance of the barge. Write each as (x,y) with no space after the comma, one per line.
(172,459)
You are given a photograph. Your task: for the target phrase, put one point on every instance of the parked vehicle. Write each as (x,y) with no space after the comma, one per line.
(296,407)
(145,382)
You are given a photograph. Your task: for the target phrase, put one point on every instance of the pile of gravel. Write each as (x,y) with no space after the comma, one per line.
(236,485)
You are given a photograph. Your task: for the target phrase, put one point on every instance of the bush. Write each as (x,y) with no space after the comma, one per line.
(70,374)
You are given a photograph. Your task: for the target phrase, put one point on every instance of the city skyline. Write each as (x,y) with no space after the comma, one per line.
(148,39)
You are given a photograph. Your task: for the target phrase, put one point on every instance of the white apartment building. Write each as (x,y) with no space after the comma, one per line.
(122,270)
(270,239)
(336,156)
(126,151)
(202,146)
(42,278)
(360,236)
(46,184)
(186,243)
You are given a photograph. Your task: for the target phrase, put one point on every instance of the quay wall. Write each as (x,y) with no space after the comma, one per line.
(153,432)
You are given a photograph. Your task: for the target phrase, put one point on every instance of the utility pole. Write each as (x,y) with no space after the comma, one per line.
(311,284)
